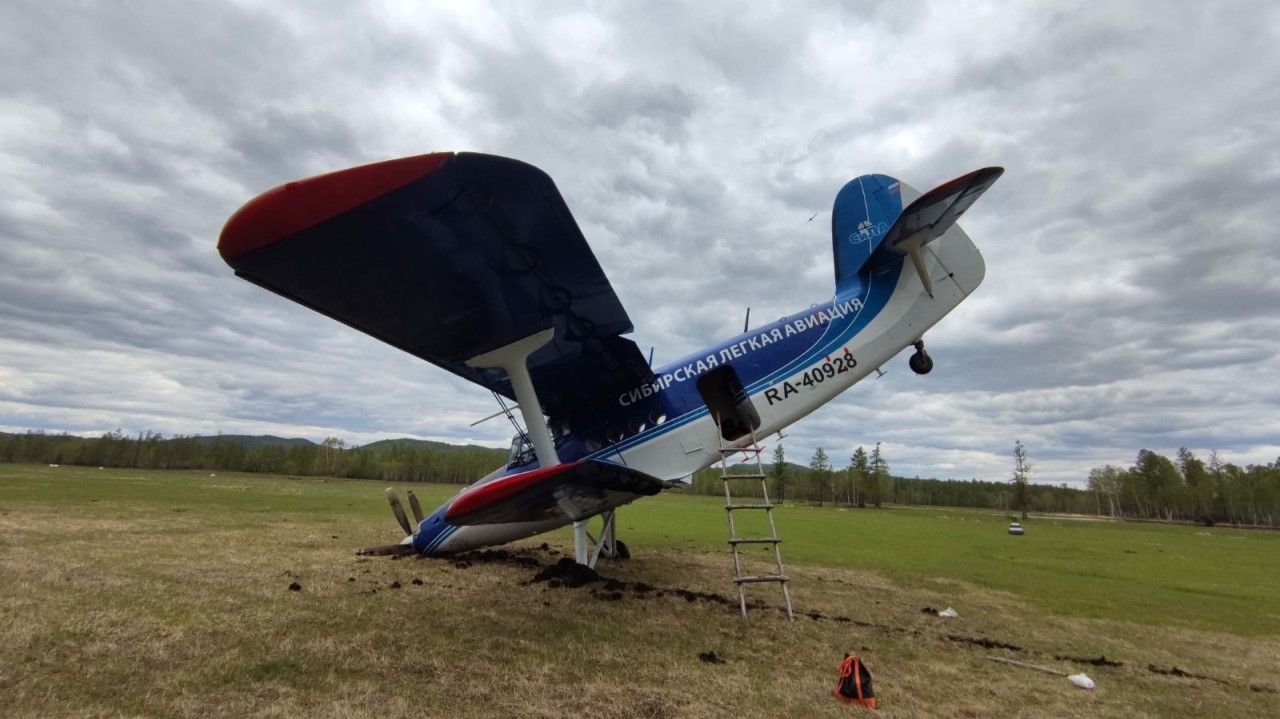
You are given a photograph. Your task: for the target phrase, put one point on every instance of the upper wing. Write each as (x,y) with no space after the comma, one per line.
(445,256)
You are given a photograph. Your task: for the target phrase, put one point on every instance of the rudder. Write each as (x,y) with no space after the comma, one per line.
(865,208)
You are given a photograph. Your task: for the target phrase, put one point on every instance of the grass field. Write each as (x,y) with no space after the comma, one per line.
(138,593)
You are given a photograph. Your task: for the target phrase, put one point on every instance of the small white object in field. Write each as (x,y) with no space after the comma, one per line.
(948,613)
(53,465)
(213,475)
(1081,680)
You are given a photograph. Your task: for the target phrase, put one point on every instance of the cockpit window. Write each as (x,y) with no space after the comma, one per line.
(521,452)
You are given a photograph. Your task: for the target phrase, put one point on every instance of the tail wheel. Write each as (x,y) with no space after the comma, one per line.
(920,362)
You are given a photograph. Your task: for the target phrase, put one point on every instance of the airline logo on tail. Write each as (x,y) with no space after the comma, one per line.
(867,231)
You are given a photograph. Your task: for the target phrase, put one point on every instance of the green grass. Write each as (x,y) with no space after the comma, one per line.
(1204,578)
(143,593)
(1207,578)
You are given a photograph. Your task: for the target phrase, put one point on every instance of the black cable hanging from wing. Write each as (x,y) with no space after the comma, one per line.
(520,431)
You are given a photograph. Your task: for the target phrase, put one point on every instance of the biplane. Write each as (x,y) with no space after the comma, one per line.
(474,263)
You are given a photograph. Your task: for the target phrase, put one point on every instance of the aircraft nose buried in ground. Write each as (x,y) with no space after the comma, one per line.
(473,263)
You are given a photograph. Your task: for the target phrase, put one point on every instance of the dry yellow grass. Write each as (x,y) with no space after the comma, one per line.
(145,611)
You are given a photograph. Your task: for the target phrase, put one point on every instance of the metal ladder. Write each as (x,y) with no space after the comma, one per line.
(728,477)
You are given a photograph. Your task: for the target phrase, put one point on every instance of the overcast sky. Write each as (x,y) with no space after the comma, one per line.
(1133,268)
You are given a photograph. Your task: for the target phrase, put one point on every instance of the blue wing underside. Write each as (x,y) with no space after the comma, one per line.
(470,257)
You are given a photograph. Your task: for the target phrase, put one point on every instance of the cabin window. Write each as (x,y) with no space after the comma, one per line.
(521,452)
(728,401)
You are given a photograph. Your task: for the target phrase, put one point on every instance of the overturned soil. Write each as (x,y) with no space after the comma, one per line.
(495,556)
(984,642)
(1099,661)
(710,657)
(1176,672)
(568,574)
(565,573)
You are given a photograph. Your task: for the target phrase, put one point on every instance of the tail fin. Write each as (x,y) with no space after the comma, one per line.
(870,227)
(865,210)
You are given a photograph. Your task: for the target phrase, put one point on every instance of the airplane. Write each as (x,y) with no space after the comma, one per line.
(474,263)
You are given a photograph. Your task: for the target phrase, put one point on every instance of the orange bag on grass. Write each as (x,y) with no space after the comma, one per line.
(854,686)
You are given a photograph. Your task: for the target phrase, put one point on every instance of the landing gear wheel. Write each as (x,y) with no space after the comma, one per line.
(920,362)
(620,550)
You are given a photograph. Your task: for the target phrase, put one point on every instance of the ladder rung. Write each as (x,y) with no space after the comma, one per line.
(743,469)
(762,578)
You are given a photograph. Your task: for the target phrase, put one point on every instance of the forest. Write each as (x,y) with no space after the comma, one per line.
(396,460)
(1184,488)
(1154,487)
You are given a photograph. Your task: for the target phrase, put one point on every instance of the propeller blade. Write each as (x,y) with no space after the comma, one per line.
(397,509)
(415,508)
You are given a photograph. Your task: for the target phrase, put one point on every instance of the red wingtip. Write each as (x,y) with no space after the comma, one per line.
(295,206)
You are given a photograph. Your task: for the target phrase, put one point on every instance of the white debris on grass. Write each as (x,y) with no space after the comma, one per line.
(1081,680)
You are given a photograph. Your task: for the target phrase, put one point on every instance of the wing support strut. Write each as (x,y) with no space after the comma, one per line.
(514,360)
(913,246)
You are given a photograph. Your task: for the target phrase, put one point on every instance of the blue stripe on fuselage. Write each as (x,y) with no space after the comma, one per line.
(770,365)
(432,531)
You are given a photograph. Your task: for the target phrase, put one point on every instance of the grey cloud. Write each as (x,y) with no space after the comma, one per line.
(1131,264)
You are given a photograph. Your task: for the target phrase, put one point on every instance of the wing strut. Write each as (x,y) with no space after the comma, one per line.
(913,246)
(514,359)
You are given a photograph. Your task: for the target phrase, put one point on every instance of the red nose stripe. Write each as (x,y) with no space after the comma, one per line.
(295,206)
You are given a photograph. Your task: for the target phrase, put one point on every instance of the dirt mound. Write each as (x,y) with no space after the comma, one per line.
(519,558)
(571,575)
(1176,672)
(1100,661)
(984,642)
(566,573)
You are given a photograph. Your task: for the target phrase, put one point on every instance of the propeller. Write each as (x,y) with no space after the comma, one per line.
(397,509)
(415,508)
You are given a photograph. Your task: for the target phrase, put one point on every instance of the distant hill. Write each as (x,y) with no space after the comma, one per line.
(379,447)
(251,440)
(386,445)
(792,467)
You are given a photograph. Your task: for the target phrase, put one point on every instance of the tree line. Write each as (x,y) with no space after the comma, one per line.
(1155,487)
(866,481)
(1185,488)
(1188,488)
(391,461)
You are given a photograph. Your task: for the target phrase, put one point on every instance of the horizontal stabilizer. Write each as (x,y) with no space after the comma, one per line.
(932,214)
(573,491)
